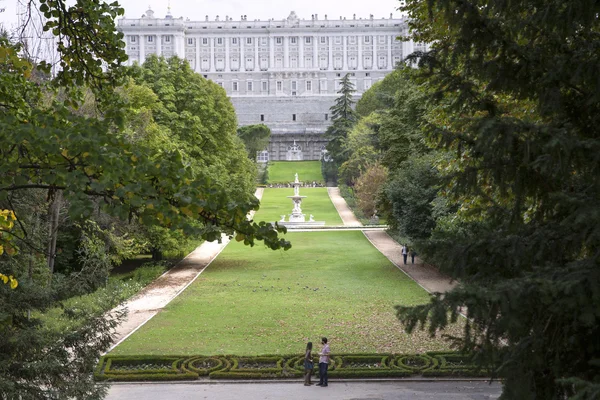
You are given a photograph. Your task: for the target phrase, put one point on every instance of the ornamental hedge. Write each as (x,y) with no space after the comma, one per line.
(171,368)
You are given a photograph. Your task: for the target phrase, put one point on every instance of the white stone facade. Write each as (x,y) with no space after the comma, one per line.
(283,73)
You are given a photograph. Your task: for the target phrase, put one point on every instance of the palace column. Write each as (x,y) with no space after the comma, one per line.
(301,52)
(286,52)
(159,39)
(390,64)
(211,42)
(198,65)
(360,55)
(227,69)
(375,60)
(330,47)
(345,53)
(242,56)
(315,52)
(271,53)
(256,59)
(142,39)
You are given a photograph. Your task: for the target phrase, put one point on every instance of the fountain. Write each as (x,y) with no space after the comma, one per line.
(297,219)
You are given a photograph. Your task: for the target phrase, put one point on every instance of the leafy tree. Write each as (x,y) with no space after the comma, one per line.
(518,109)
(75,149)
(362,146)
(255,138)
(368,188)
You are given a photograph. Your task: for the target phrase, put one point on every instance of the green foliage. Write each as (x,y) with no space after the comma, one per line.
(255,138)
(517,108)
(368,188)
(412,192)
(362,146)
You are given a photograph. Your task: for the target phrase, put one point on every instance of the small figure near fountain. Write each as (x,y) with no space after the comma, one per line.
(297,219)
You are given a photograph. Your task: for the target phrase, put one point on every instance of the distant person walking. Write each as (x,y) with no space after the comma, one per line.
(308,364)
(404,253)
(323,363)
(413,254)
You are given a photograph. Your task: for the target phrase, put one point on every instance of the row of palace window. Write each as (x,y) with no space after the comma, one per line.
(322,63)
(263,40)
(308,86)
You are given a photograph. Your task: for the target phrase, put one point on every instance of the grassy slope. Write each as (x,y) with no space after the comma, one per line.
(283,171)
(274,203)
(256,301)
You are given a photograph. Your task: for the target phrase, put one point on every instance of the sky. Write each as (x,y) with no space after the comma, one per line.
(196,10)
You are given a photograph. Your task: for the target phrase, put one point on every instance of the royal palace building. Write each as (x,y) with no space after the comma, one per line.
(283,73)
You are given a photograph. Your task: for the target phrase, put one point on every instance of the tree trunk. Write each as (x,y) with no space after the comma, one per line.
(53,213)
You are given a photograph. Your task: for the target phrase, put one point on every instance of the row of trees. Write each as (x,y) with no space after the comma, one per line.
(491,153)
(101,162)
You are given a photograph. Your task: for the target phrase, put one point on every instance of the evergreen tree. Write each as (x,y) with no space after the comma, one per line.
(518,110)
(343,118)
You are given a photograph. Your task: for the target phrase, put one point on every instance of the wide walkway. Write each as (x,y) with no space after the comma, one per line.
(372,390)
(348,217)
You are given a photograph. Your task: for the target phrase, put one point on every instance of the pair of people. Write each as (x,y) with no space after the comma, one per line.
(406,251)
(324,358)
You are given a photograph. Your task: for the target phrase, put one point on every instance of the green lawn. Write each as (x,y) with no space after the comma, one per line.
(283,171)
(255,301)
(274,203)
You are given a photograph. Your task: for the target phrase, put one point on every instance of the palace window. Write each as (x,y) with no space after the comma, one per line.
(249,40)
(235,86)
(279,40)
(367,39)
(279,86)
(167,39)
(233,40)
(307,40)
(249,85)
(132,39)
(262,117)
(293,117)
(309,86)
(293,40)
(323,40)
(150,39)
(204,40)
(265,86)
(262,156)
(190,41)
(219,40)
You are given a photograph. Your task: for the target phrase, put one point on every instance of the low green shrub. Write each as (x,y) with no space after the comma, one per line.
(163,368)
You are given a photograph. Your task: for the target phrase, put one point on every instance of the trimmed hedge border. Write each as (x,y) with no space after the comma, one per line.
(153,368)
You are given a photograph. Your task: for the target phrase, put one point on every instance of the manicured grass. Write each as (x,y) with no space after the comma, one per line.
(283,171)
(274,203)
(255,301)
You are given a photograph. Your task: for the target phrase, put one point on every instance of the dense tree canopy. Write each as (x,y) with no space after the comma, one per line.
(90,158)
(517,108)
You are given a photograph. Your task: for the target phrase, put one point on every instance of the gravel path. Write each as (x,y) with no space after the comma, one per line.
(428,277)
(342,207)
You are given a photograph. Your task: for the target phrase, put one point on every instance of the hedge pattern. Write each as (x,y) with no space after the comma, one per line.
(171,368)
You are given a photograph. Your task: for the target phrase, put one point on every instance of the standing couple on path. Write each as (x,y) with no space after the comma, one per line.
(323,363)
